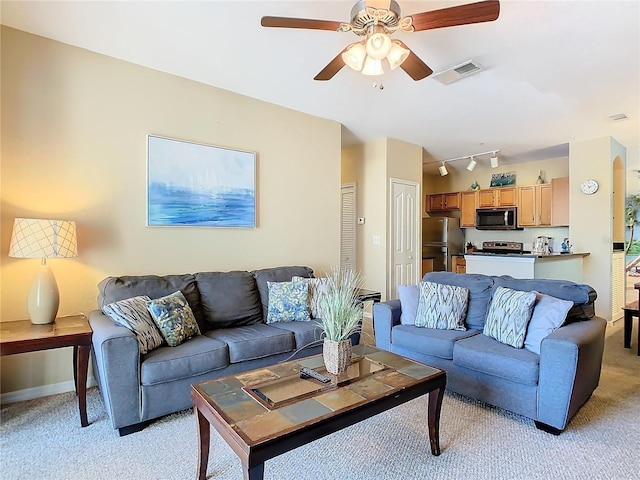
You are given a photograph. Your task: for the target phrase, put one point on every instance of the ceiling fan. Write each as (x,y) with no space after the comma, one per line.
(375,21)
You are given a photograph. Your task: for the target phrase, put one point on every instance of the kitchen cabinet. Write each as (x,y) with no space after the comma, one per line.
(560,202)
(497,197)
(459,264)
(534,205)
(468,205)
(427,266)
(443,201)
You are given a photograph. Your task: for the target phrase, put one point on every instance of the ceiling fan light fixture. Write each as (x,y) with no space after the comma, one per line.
(397,55)
(378,46)
(354,56)
(443,170)
(372,66)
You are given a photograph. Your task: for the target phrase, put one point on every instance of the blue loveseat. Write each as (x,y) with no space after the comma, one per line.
(548,387)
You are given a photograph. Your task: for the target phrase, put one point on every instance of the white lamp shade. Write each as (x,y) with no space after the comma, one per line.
(443,170)
(354,56)
(378,46)
(372,67)
(397,55)
(38,238)
(472,165)
(494,162)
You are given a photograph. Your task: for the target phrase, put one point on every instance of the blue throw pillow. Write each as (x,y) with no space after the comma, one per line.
(549,314)
(442,306)
(174,318)
(288,302)
(408,295)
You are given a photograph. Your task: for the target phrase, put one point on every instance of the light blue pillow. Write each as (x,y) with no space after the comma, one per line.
(549,314)
(408,295)
(132,313)
(508,316)
(442,306)
(288,302)
(174,318)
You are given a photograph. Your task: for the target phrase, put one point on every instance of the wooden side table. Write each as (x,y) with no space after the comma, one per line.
(73,331)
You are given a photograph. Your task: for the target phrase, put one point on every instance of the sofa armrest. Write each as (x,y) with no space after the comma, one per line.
(116,363)
(570,364)
(385,316)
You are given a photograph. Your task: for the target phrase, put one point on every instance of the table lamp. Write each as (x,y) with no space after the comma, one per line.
(38,238)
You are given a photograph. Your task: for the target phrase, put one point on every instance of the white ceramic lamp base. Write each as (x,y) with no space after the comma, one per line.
(44,298)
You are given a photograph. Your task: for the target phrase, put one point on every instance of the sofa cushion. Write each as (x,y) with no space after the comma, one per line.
(113,289)
(174,318)
(487,355)
(132,313)
(317,289)
(548,314)
(430,341)
(442,306)
(288,302)
(306,333)
(583,296)
(194,357)
(409,296)
(254,341)
(276,274)
(509,314)
(479,293)
(229,299)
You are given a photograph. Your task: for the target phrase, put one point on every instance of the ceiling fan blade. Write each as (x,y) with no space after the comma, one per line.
(285,22)
(461,15)
(414,67)
(332,68)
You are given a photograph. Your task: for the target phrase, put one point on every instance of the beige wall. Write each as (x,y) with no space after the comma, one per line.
(591,216)
(74,126)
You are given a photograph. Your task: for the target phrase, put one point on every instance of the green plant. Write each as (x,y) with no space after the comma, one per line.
(339,308)
(632,209)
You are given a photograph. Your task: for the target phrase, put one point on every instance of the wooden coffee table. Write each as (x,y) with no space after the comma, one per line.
(267,412)
(73,331)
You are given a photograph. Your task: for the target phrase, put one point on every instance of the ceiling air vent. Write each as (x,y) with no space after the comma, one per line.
(456,73)
(617,117)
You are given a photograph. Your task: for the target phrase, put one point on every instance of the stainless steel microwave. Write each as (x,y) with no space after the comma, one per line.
(498,218)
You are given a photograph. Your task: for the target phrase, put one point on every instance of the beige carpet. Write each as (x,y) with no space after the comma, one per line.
(42,439)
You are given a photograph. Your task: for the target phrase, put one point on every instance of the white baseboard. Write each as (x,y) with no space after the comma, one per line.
(42,391)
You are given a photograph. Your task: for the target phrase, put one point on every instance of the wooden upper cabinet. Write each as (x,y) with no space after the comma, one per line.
(468,205)
(560,202)
(443,201)
(535,205)
(497,197)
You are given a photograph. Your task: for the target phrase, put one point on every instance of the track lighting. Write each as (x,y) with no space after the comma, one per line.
(472,161)
(472,164)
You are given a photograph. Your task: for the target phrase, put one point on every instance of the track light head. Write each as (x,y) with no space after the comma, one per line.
(494,161)
(472,164)
(443,170)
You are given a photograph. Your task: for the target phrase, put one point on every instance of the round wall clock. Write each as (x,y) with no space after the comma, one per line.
(589,187)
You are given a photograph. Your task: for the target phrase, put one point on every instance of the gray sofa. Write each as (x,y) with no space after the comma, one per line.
(548,387)
(230,309)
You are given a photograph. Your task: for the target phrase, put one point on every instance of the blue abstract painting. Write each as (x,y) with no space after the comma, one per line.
(192,184)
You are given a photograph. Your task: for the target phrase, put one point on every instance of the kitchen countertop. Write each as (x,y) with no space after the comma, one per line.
(531,255)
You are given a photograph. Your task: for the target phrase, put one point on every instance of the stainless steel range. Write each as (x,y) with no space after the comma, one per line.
(501,248)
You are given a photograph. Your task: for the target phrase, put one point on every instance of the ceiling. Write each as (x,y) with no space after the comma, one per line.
(553,70)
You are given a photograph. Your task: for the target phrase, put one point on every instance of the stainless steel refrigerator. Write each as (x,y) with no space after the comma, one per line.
(442,237)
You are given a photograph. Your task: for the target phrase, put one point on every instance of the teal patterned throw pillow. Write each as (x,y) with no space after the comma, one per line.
(174,318)
(509,314)
(442,306)
(288,302)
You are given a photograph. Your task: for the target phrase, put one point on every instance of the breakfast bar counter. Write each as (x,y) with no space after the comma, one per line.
(564,266)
